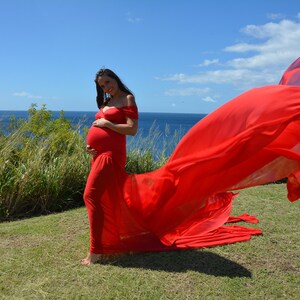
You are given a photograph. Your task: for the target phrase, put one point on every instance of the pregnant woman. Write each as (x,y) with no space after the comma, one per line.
(106,141)
(251,140)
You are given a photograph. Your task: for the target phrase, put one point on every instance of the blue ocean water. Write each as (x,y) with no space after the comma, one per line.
(175,121)
(165,123)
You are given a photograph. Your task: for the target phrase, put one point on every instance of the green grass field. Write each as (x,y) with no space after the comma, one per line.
(40,259)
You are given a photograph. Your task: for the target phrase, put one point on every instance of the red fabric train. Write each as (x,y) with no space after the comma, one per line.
(251,140)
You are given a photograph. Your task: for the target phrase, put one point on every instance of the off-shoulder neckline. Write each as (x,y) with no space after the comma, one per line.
(117,107)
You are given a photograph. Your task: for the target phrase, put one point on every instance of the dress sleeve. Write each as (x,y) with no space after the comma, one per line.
(131,111)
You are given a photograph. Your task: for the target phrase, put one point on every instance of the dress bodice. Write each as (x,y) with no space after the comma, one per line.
(106,140)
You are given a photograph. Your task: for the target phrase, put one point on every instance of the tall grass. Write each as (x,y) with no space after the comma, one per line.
(44,165)
(147,152)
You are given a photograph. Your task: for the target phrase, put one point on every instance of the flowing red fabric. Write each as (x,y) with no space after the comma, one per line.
(251,140)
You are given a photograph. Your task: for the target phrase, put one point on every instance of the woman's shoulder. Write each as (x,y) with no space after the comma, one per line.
(130,100)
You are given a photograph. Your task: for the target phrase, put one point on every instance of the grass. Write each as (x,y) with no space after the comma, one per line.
(40,255)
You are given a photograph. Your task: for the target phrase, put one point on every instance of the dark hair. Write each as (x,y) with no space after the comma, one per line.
(103,98)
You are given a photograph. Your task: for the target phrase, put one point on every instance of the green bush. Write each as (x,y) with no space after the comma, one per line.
(44,165)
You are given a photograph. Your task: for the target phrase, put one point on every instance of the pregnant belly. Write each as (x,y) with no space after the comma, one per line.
(105,140)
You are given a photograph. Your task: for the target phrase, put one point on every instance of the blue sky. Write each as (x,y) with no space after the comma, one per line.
(186,56)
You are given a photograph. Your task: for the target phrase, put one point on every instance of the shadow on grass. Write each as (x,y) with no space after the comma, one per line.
(181,261)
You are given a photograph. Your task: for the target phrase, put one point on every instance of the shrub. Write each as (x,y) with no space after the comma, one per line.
(44,165)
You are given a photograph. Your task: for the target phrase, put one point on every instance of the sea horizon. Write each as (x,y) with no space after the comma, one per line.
(167,124)
(164,127)
(96,110)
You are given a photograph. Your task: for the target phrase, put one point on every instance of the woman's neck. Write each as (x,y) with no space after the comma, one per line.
(118,97)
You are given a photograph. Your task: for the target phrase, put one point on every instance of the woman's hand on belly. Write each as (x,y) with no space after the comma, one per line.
(101,123)
(91,151)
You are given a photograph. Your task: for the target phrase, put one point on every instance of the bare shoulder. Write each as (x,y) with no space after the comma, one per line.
(130,100)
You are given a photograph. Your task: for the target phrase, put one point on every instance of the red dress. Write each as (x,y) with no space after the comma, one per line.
(251,140)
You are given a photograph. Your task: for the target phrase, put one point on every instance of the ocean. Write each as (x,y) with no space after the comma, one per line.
(176,121)
(165,123)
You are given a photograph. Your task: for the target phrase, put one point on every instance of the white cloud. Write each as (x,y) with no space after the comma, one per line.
(26,95)
(279,48)
(275,46)
(209,99)
(234,77)
(275,16)
(208,62)
(134,20)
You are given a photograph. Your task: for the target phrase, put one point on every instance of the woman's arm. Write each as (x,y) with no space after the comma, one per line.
(130,128)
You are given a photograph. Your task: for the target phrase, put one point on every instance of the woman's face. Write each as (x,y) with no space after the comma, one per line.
(109,85)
